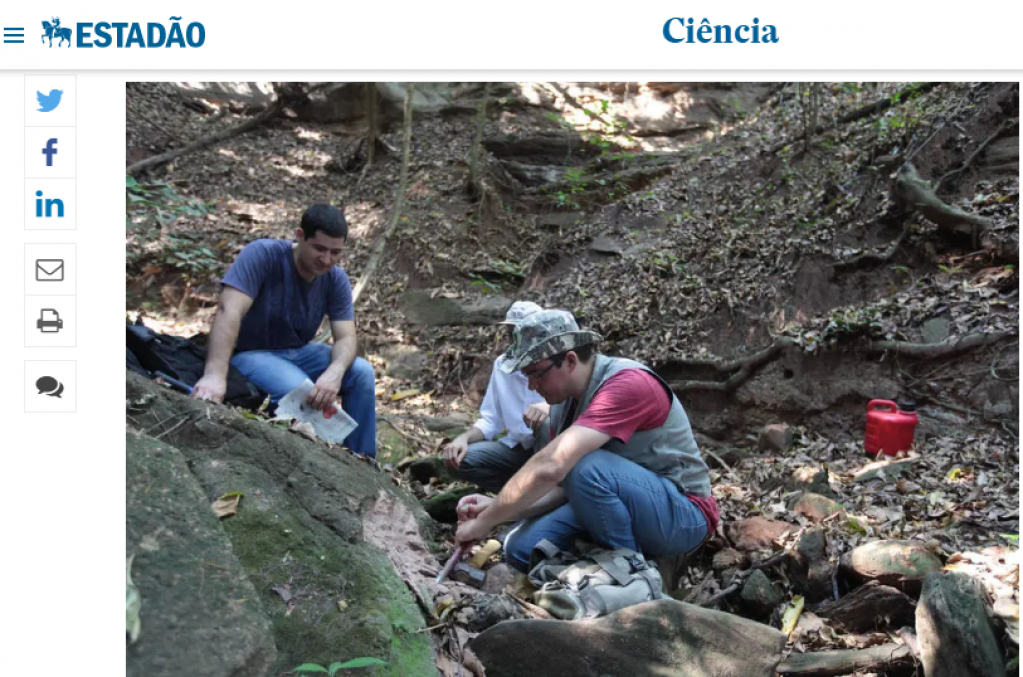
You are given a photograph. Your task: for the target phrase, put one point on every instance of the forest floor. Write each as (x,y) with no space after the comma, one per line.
(693,249)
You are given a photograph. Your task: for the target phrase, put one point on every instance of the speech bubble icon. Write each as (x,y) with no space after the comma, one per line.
(47,385)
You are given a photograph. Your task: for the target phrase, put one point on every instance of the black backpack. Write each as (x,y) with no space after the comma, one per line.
(181,363)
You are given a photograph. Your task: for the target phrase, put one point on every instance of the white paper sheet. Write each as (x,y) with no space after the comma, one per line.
(334,429)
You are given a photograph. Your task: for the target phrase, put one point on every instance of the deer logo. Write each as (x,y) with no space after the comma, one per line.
(53,30)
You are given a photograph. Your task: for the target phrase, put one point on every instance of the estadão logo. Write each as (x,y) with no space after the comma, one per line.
(54,30)
(122,34)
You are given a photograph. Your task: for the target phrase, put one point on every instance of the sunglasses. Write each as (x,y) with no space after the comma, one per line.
(538,375)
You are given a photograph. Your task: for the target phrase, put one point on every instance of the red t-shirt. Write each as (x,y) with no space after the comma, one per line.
(632,400)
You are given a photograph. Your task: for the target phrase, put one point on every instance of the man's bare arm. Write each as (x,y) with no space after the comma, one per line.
(232,307)
(554,498)
(543,472)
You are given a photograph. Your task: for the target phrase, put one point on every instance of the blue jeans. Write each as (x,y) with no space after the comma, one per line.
(278,372)
(620,505)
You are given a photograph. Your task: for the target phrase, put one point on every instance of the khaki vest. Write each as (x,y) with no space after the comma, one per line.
(669,451)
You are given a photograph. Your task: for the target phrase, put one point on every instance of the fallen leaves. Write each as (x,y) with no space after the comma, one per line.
(227,505)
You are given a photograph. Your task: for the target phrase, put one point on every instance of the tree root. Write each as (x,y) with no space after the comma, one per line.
(208,140)
(870,258)
(1006,125)
(916,193)
(742,369)
(943,349)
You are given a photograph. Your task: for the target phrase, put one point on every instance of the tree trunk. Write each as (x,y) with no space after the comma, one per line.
(399,199)
(477,141)
(371,118)
(847,661)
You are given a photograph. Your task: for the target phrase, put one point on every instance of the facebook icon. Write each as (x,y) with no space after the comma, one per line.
(49,150)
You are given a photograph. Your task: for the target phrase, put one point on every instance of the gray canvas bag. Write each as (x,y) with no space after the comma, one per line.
(601,581)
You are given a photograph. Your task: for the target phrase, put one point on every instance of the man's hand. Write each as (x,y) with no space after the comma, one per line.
(472,524)
(210,387)
(536,414)
(455,451)
(473,530)
(471,506)
(324,392)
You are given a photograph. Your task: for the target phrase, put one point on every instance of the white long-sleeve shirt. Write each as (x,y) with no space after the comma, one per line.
(506,400)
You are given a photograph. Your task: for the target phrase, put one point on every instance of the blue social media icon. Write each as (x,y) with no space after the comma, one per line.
(49,102)
(48,208)
(49,150)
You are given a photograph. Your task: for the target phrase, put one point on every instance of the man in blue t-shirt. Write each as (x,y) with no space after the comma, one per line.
(272,302)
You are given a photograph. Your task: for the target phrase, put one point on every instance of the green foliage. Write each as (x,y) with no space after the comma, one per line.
(192,259)
(501,269)
(157,204)
(334,668)
(576,182)
(149,208)
(483,284)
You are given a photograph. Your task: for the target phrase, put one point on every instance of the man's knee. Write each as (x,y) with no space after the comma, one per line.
(590,468)
(517,550)
(480,468)
(361,374)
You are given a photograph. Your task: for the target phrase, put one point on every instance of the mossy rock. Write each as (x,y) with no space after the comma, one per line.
(200,614)
(442,506)
(301,536)
(391,446)
(428,467)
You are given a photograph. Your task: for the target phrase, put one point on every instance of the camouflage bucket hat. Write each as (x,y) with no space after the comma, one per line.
(519,311)
(542,335)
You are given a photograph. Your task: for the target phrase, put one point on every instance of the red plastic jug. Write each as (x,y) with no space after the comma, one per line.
(889,428)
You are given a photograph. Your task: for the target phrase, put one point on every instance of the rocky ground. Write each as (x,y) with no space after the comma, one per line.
(695,227)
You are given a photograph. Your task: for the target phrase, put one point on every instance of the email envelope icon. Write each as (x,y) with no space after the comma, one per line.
(49,270)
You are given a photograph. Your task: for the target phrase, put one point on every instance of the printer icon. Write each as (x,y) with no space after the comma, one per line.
(49,321)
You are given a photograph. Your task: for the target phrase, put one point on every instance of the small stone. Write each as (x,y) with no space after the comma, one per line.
(729,558)
(907,487)
(810,478)
(817,508)
(499,577)
(758,595)
(776,437)
(757,533)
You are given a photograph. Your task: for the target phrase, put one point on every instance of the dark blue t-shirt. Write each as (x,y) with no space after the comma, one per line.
(286,310)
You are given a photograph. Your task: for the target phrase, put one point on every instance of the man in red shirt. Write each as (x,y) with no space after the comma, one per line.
(622,464)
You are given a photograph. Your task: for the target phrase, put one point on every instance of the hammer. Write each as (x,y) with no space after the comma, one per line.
(462,572)
(450,564)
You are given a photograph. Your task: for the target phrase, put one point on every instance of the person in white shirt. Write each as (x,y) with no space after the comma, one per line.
(475,456)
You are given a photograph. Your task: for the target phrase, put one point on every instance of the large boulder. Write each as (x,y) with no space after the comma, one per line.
(663,638)
(955,634)
(200,613)
(345,102)
(421,307)
(331,550)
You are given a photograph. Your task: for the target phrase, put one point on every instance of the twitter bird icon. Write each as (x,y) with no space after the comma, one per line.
(49,102)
